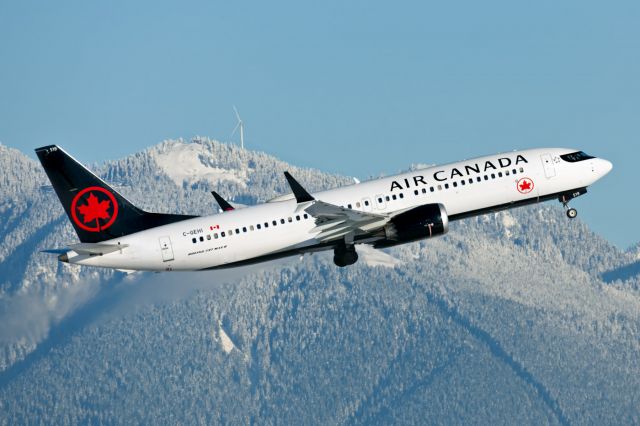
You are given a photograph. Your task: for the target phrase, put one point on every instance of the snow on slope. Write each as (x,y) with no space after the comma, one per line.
(508,221)
(225,340)
(497,280)
(190,162)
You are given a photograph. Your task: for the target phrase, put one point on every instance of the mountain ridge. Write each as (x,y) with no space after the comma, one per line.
(471,326)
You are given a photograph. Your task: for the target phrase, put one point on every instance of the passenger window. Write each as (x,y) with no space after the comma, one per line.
(357,206)
(244,229)
(215,236)
(208,236)
(230,232)
(289,219)
(393,196)
(237,230)
(401,195)
(432,189)
(274,223)
(194,240)
(446,186)
(424,190)
(258,226)
(366,203)
(479,179)
(486,177)
(499,174)
(439,187)
(470,181)
(387,198)
(506,173)
(380,199)
(306,216)
(514,171)
(297,217)
(201,239)
(251,228)
(348,205)
(463,182)
(222,233)
(266,224)
(521,170)
(455,184)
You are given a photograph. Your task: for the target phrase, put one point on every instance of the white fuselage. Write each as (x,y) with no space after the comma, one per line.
(464,188)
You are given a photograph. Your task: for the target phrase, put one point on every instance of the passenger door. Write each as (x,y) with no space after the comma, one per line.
(166,249)
(547,163)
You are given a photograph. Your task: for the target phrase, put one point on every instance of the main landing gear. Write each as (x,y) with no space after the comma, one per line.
(345,254)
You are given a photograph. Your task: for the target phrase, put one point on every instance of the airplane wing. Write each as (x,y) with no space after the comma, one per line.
(334,222)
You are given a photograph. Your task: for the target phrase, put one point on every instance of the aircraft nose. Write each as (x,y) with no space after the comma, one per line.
(604,166)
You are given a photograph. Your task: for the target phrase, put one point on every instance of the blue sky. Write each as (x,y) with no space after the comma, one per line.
(358,87)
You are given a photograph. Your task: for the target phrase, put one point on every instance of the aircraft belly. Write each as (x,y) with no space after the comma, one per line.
(279,240)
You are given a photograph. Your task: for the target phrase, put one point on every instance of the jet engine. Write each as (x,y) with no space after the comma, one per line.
(427,221)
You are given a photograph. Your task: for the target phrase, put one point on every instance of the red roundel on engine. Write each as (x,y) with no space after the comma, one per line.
(98,208)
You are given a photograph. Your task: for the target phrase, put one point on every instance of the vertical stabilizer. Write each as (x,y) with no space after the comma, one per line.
(96,210)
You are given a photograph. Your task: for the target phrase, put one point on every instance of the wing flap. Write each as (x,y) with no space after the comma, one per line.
(334,222)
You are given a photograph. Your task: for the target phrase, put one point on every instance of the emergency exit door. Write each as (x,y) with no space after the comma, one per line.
(166,249)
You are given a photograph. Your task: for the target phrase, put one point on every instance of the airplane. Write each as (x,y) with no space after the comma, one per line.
(383,212)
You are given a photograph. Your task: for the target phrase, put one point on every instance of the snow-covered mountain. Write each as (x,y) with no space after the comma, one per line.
(521,315)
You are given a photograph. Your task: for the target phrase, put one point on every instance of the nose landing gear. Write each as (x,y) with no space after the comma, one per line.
(565,198)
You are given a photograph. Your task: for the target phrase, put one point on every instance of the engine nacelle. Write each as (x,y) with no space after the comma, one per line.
(421,222)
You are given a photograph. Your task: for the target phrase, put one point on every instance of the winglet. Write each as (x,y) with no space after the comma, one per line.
(224,205)
(300,193)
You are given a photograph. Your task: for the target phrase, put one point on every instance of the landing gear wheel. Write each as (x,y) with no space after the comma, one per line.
(345,255)
(572,213)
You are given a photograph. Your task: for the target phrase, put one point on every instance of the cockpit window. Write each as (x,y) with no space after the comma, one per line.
(574,157)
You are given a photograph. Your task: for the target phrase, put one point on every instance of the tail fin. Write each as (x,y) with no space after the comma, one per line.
(96,211)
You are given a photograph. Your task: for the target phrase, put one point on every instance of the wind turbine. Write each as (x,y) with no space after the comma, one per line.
(241,126)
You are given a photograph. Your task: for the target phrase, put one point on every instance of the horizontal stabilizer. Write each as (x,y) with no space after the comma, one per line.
(96,249)
(54,251)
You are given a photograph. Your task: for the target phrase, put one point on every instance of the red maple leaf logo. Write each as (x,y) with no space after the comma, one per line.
(524,186)
(95,210)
